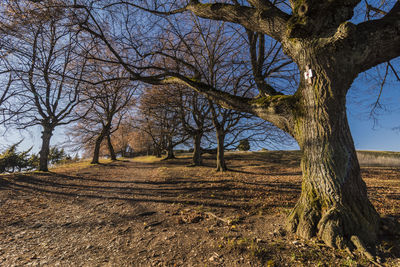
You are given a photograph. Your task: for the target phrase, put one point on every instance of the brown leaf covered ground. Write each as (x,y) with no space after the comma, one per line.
(163,213)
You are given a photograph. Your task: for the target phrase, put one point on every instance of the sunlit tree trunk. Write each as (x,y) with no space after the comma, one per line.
(321,35)
(333,204)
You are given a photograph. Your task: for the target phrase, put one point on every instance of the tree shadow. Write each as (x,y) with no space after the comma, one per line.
(226,193)
(3,182)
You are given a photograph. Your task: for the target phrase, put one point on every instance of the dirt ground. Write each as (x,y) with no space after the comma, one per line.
(164,213)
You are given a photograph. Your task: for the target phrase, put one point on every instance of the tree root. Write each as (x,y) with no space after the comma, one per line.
(227,221)
(361,247)
(338,227)
(390,227)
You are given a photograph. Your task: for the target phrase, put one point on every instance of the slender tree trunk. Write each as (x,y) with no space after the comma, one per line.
(333,204)
(197,159)
(111,148)
(221,166)
(44,151)
(97,145)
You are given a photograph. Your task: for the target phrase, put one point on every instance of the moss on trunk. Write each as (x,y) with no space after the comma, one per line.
(333,205)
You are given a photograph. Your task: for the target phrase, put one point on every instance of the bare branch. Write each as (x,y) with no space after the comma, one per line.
(268,20)
(377,103)
(172,12)
(377,41)
(394,71)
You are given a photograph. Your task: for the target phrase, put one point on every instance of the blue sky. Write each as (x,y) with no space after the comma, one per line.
(382,137)
(370,134)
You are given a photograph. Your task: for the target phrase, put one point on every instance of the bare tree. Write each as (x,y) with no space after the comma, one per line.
(160,119)
(194,113)
(7,93)
(47,63)
(124,137)
(215,56)
(107,101)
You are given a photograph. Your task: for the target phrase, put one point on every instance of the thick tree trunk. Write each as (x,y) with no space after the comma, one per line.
(197,159)
(44,151)
(333,204)
(170,153)
(221,166)
(170,150)
(111,148)
(97,145)
(157,152)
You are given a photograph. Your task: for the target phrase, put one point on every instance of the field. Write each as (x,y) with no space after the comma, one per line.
(147,212)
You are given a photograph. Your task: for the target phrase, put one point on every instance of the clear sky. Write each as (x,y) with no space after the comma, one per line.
(370,134)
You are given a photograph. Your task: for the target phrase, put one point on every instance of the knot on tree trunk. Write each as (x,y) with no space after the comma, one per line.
(303,9)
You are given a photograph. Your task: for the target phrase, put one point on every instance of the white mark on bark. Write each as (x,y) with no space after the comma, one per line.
(308,74)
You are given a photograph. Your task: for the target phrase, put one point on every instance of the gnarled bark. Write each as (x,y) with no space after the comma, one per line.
(333,205)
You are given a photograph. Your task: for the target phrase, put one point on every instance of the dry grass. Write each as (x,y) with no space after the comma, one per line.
(145,159)
(379,158)
(72,165)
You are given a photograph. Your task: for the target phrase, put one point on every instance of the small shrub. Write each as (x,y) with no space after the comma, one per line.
(57,155)
(244,145)
(11,160)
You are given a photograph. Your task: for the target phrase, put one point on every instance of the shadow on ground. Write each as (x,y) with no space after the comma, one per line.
(226,192)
